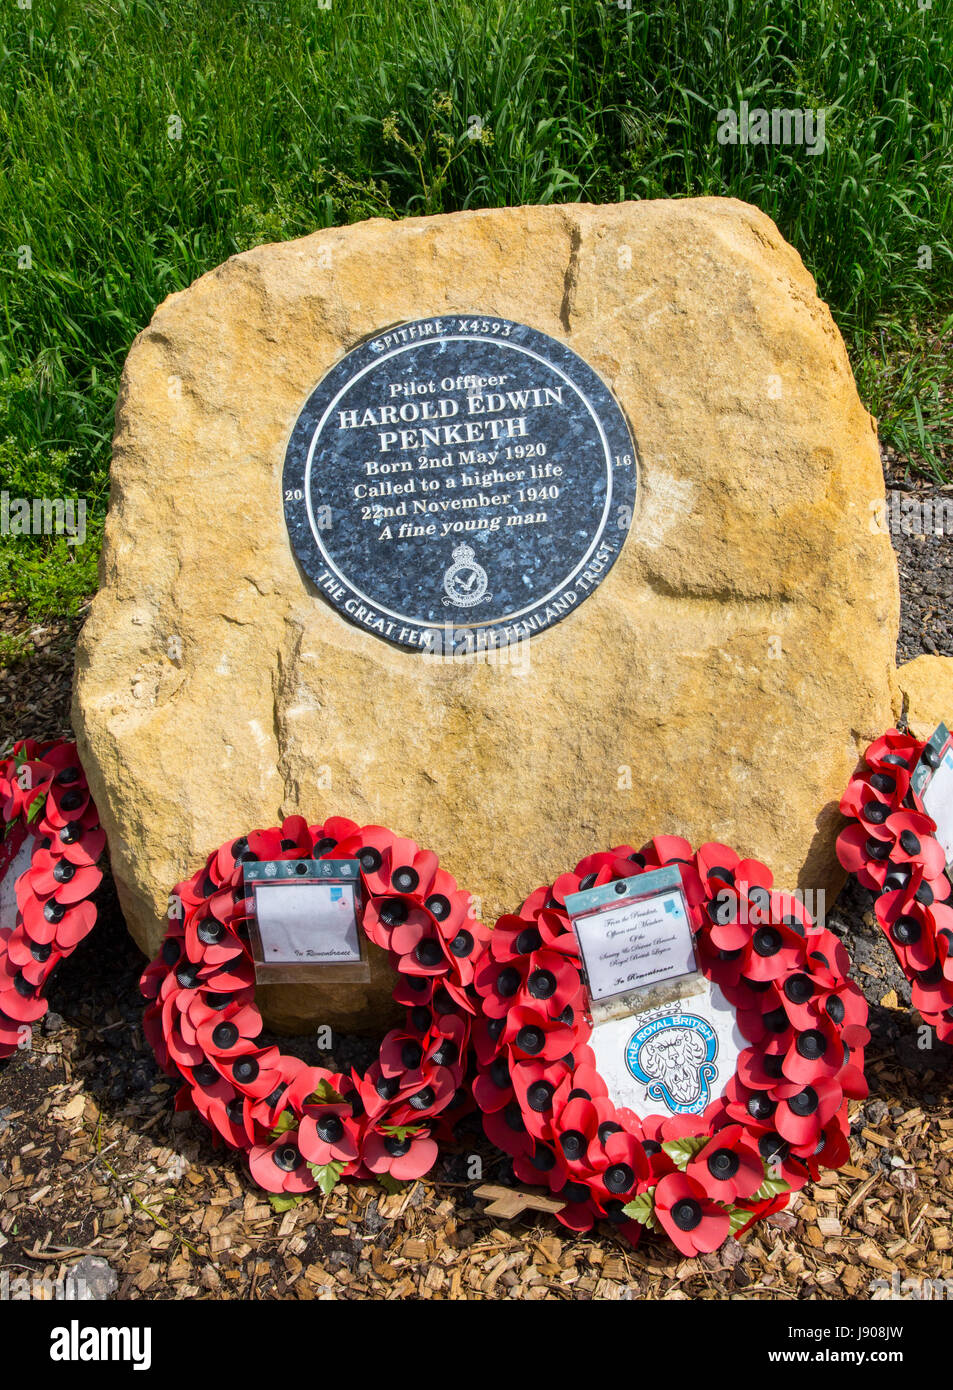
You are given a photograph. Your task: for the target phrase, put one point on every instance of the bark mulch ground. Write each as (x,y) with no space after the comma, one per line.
(99,1178)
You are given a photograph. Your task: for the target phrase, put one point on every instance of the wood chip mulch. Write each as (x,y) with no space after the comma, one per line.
(36,676)
(94,1162)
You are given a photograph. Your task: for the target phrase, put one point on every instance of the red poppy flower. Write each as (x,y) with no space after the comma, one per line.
(21,958)
(266,1110)
(505,1127)
(499,984)
(761,1016)
(402,1053)
(864,855)
(51,922)
(576,1125)
(228,1033)
(272,844)
(852,1080)
(66,802)
(13,1035)
(534,1084)
(717,864)
(693,1222)
(403,1155)
(210,936)
(827,958)
(620,862)
(19,999)
(59,878)
(666,849)
(521,935)
(445,1043)
(542,980)
(374,846)
(584,1076)
(761,1068)
(805,998)
(648,1132)
(832,1151)
(577,1216)
(539,1166)
(328,1131)
(816,1052)
(871,804)
(281,1166)
(180,1040)
(730,928)
(23,955)
(213,1081)
(728,1167)
(914,842)
(530,1032)
(620,1164)
(328,838)
(912,928)
(804,1109)
(493,1087)
(774,951)
(424,1096)
(759,1210)
(931,991)
(723,968)
(893,749)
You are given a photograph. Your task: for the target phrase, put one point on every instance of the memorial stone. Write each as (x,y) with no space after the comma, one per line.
(688,629)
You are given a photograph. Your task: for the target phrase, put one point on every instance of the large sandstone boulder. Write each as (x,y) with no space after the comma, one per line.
(719,684)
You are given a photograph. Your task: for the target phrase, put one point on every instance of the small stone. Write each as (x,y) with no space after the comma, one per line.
(927,686)
(877,1111)
(140,1077)
(373,1221)
(93,1278)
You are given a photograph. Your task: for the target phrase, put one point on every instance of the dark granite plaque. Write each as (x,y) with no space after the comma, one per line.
(459,483)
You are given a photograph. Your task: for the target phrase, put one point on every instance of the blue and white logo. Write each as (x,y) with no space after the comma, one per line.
(674,1056)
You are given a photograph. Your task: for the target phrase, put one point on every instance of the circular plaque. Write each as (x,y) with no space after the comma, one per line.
(459,483)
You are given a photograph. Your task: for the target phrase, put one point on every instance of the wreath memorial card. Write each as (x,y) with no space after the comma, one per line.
(665,1039)
(306,922)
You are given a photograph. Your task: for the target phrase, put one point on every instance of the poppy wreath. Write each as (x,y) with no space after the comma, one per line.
(890,847)
(305,1127)
(782,1117)
(45,808)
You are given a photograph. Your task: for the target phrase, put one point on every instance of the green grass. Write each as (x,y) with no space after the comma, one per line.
(295,117)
